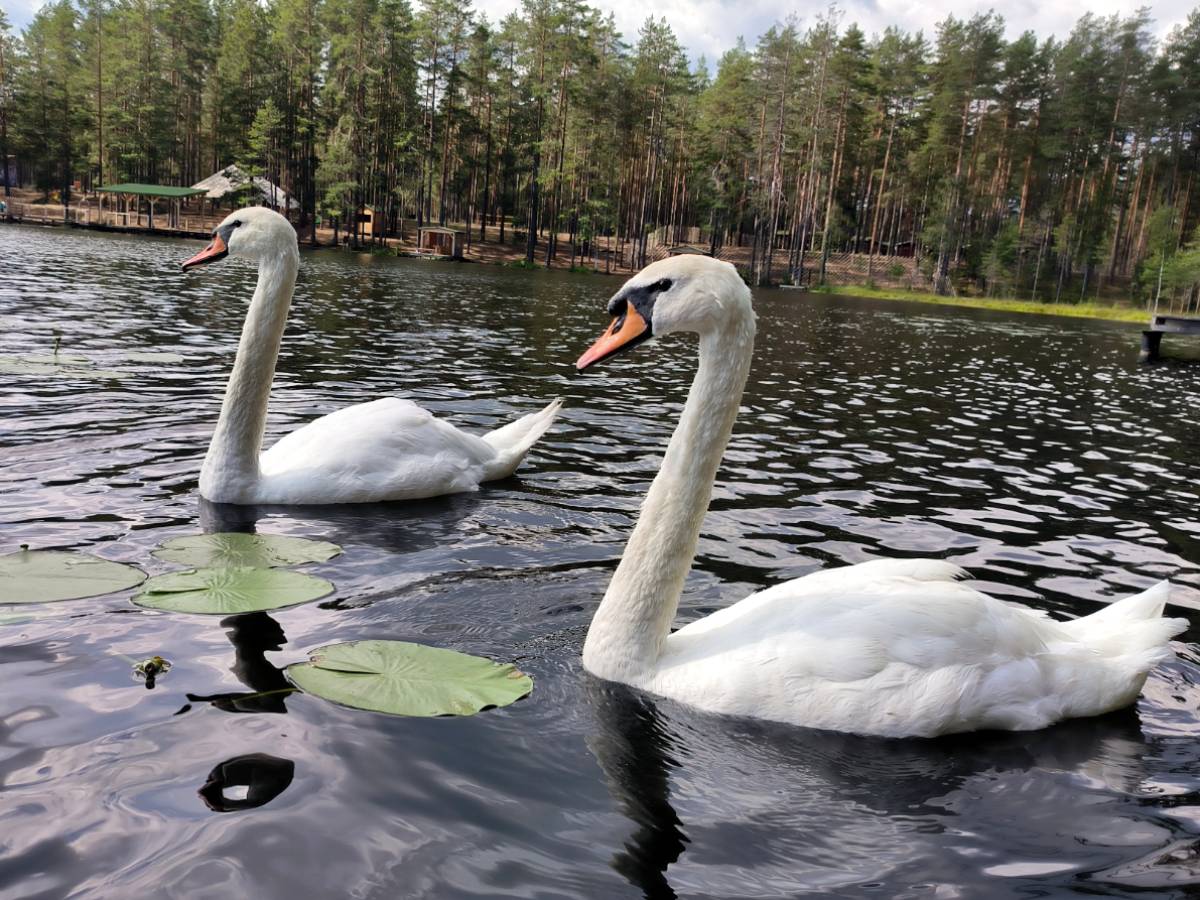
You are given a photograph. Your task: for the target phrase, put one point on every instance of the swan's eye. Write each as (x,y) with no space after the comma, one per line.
(235,223)
(661,285)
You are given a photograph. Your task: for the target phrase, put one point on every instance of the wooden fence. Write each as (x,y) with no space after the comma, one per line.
(859,268)
(840,268)
(89,215)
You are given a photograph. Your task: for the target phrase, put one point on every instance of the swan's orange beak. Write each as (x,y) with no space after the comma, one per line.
(627,330)
(214,251)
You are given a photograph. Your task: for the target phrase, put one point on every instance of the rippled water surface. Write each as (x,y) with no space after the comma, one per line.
(1032,450)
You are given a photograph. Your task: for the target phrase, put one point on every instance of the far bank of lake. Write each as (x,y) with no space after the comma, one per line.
(512,255)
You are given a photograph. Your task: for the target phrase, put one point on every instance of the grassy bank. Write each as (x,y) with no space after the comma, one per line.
(1082,310)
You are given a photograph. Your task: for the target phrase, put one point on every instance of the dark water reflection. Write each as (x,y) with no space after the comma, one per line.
(1033,451)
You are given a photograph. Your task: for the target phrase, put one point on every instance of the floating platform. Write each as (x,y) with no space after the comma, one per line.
(154,232)
(425,254)
(114,223)
(1160,325)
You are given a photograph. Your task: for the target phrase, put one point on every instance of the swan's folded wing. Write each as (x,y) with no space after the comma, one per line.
(388,449)
(858,631)
(879,659)
(879,576)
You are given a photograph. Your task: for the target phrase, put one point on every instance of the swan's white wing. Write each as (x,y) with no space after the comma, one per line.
(896,652)
(388,449)
(880,576)
(845,629)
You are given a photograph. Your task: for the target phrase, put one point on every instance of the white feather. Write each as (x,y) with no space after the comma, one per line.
(387,449)
(888,647)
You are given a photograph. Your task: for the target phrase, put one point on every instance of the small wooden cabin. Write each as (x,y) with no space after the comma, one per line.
(366,219)
(435,240)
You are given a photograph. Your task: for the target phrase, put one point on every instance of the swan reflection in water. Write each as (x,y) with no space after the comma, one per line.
(421,526)
(791,809)
(394,527)
(253,635)
(263,776)
(635,749)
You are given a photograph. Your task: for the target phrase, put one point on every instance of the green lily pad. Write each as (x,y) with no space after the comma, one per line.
(50,365)
(22,367)
(260,551)
(45,576)
(56,359)
(150,356)
(228,590)
(407,679)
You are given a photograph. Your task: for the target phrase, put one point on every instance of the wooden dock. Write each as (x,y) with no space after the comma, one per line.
(88,216)
(1160,325)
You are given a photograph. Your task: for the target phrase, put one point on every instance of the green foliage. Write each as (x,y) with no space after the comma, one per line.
(262,141)
(239,549)
(230,590)
(815,140)
(1000,259)
(1072,310)
(44,576)
(408,679)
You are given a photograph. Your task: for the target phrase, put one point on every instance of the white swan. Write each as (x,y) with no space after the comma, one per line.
(889,647)
(387,449)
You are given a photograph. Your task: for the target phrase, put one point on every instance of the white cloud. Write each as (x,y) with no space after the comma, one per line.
(710,27)
(19,12)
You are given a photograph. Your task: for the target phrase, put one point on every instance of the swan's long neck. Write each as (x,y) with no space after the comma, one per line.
(231,466)
(629,629)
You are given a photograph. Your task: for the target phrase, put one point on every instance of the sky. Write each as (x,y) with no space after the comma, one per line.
(710,27)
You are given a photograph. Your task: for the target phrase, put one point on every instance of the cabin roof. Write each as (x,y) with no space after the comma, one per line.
(438,229)
(232,180)
(150,190)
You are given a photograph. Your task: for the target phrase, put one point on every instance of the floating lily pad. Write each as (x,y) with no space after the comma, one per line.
(253,550)
(228,590)
(407,679)
(23,367)
(45,576)
(69,366)
(56,359)
(150,356)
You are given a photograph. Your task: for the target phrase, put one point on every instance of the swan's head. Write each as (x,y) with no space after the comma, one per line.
(253,233)
(679,293)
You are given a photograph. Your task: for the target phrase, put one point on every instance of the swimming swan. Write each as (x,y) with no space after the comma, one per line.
(888,647)
(387,449)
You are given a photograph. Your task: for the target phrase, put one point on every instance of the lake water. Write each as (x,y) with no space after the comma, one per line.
(1034,451)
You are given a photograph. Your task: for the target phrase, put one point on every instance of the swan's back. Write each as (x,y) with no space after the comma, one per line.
(900,648)
(387,449)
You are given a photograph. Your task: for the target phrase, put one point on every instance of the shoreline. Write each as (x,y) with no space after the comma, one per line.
(500,255)
(1113,313)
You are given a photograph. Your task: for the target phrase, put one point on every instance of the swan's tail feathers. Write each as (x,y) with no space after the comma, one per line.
(1131,626)
(512,441)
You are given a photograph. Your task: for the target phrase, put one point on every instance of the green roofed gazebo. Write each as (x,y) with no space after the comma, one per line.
(151,192)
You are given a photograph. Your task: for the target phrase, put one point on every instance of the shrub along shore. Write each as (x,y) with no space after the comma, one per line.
(1111,312)
(513,255)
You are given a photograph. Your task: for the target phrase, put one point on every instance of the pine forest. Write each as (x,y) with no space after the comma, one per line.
(967,160)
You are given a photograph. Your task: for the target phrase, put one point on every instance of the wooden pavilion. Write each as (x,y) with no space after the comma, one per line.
(128,193)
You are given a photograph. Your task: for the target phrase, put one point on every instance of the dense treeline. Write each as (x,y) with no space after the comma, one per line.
(1031,167)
